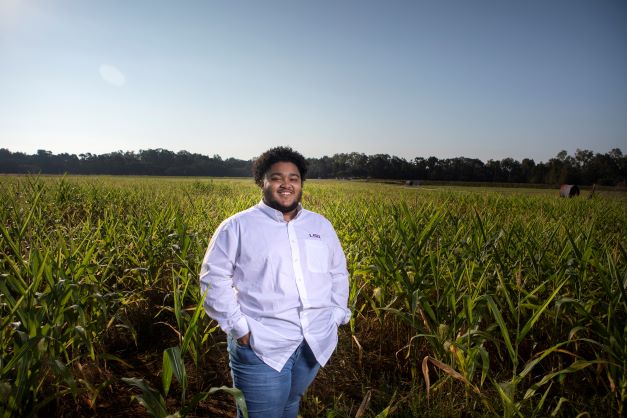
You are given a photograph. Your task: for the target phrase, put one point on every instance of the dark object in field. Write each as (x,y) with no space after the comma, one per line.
(569,190)
(594,187)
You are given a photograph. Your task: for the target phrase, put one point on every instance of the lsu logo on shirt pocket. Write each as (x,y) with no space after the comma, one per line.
(317,256)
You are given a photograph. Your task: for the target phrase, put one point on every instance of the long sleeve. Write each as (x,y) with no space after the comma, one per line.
(216,281)
(340,287)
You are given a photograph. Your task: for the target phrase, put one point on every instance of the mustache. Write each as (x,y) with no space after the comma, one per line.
(274,204)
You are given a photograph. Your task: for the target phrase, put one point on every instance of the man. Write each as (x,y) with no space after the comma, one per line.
(275,280)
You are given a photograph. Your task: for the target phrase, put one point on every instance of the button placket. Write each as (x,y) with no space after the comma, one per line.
(298,270)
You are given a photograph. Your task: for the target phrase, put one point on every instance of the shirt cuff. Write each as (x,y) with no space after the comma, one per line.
(240,328)
(341,316)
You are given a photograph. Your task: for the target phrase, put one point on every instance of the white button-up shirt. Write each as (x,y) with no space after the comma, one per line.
(281,281)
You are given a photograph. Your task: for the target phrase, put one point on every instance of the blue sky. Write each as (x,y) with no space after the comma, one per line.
(481,79)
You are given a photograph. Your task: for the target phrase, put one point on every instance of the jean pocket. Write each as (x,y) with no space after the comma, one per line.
(243,354)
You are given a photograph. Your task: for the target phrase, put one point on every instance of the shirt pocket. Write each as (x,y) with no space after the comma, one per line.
(317,256)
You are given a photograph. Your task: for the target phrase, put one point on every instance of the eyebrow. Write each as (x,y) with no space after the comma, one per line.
(277,173)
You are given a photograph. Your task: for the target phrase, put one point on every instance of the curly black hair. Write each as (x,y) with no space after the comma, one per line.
(274,155)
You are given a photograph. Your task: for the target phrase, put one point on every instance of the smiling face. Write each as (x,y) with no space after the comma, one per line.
(283,188)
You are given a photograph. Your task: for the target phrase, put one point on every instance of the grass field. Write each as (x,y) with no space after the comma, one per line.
(466,301)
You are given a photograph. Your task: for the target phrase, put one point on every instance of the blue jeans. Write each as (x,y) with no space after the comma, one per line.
(268,393)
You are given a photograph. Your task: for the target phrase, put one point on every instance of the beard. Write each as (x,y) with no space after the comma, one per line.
(274,204)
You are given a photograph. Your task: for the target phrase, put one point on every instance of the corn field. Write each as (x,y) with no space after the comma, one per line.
(466,302)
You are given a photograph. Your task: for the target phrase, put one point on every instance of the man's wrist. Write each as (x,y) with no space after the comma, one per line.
(341,315)
(244,340)
(240,328)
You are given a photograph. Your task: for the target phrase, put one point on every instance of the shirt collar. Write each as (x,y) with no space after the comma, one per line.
(276,214)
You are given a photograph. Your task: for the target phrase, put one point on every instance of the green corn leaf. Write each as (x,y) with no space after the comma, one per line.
(150,398)
(536,315)
(237,395)
(33,207)
(485,363)
(561,402)
(503,327)
(18,355)
(191,405)
(13,304)
(166,373)
(12,244)
(61,370)
(543,399)
(532,363)
(428,309)
(177,367)
(86,340)
(574,367)
(192,326)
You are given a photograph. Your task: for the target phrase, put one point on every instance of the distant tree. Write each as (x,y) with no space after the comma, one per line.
(420,171)
(605,169)
(621,164)
(584,167)
(340,165)
(321,167)
(357,164)
(583,157)
(562,170)
(511,170)
(494,171)
(538,173)
(527,168)
(433,168)
(379,166)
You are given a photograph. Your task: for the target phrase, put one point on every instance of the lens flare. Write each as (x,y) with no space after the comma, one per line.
(112,75)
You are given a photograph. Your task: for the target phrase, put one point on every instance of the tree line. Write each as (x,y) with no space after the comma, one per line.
(584,167)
